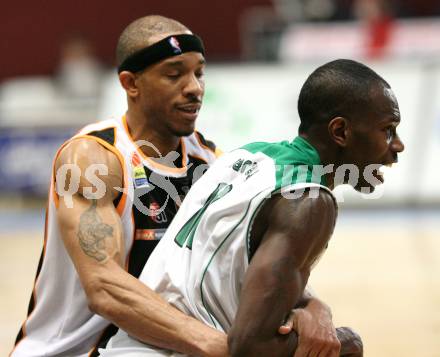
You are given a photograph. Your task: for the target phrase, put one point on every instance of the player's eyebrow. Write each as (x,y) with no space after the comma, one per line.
(393,118)
(180,63)
(174,63)
(392,115)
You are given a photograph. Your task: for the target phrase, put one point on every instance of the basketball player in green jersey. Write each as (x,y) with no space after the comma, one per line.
(240,250)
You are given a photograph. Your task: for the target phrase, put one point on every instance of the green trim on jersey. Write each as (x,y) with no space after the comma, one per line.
(186,234)
(294,161)
(210,314)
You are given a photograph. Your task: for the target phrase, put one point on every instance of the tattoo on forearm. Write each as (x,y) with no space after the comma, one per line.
(92,233)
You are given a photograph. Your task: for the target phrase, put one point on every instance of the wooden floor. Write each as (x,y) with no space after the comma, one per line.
(380,275)
(384,281)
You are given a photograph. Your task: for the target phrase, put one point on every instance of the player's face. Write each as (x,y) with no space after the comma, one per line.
(172,93)
(374,138)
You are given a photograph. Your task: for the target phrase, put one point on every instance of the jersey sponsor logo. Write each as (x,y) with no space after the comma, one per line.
(175,45)
(149,234)
(246,167)
(135,159)
(157,215)
(139,175)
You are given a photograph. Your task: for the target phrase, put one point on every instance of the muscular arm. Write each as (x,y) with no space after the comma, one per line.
(297,233)
(92,233)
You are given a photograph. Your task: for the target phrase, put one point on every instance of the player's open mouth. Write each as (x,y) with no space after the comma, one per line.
(190,111)
(189,107)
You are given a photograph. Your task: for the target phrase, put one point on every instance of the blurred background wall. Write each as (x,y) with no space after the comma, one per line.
(33,32)
(57,73)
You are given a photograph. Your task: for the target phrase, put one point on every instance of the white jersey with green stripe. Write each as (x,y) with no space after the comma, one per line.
(200,263)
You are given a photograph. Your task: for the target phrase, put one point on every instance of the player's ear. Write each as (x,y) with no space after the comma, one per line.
(339,130)
(128,82)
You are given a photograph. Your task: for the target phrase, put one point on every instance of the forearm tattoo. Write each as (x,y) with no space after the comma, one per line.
(92,233)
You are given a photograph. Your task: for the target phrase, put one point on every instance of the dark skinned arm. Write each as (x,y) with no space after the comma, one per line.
(297,232)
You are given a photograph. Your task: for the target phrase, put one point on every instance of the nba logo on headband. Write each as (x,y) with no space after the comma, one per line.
(175,45)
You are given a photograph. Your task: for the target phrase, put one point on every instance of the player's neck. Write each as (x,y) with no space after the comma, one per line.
(326,154)
(150,140)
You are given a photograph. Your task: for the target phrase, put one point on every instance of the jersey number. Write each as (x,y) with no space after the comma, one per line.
(186,233)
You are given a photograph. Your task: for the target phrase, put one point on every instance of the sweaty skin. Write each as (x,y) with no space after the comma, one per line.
(278,272)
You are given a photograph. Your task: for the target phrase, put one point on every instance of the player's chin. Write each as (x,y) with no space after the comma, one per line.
(184,129)
(185,132)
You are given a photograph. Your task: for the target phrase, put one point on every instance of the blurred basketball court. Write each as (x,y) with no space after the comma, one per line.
(380,275)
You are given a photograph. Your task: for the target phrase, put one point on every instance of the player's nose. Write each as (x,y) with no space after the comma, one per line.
(397,145)
(194,86)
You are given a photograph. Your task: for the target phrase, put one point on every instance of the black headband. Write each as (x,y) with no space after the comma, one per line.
(170,46)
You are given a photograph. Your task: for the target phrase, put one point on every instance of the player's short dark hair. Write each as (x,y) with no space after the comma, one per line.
(339,88)
(137,34)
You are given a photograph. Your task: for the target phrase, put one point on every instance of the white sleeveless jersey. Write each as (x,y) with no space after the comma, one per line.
(200,263)
(59,321)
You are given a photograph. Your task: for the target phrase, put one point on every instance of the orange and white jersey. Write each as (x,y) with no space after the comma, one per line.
(59,321)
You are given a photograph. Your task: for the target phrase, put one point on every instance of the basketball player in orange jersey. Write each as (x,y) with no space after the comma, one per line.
(115,188)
